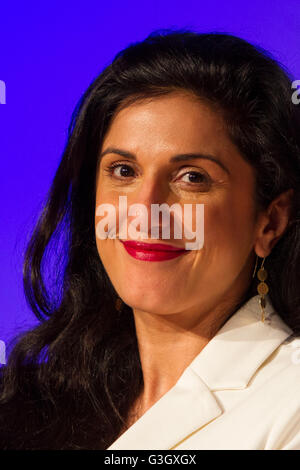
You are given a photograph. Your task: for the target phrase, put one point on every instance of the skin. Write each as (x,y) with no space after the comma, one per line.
(180,304)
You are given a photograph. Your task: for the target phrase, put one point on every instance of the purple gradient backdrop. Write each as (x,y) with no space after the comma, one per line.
(49,55)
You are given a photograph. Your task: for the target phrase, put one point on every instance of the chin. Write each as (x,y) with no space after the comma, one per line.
(149,304)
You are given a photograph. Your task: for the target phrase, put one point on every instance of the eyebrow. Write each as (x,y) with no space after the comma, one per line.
(182,157)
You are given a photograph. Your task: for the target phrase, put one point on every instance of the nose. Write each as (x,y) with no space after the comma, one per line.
(153,190)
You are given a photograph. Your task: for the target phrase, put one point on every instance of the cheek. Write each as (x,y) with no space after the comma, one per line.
(228,229)
(104,247)
(107,255)
(103,251)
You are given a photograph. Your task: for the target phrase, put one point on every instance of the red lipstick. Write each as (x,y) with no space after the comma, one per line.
(152,251)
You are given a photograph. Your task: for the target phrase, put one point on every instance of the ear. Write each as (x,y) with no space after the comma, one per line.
(272,223)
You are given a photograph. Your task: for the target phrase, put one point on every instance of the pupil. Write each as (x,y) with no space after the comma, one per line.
(124,170)
(194,177)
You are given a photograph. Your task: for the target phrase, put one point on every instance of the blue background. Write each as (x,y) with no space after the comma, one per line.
(49,54)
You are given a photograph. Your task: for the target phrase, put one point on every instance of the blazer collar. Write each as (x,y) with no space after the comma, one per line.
(239,348)
(228,361)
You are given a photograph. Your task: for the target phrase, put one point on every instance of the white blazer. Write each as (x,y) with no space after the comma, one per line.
(242,392)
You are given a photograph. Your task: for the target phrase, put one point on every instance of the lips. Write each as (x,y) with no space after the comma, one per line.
(152,251)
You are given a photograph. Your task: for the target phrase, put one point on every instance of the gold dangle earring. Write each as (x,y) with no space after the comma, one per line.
(262,288)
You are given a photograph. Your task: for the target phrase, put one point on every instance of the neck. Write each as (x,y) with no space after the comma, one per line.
(169,343)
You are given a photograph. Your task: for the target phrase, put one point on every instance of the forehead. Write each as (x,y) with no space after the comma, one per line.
(178,119)
(155,129)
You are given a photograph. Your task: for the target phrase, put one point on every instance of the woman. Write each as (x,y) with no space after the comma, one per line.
(139,348)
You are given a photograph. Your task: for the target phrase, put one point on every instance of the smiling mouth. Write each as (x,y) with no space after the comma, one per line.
(152,251)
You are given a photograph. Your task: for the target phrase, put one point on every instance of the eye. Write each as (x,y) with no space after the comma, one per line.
(119,170)
(195,179)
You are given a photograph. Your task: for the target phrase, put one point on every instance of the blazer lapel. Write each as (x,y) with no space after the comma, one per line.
(228,361)
(240,347)
(185,408)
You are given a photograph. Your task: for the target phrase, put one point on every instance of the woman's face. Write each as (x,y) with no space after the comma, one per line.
(154,131)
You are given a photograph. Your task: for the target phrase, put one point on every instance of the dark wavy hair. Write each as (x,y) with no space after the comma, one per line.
(70,382)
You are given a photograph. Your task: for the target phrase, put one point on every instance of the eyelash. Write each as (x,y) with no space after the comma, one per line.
(110,169)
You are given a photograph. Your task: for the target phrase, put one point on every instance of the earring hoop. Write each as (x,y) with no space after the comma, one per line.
(119,304)
(255,267)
